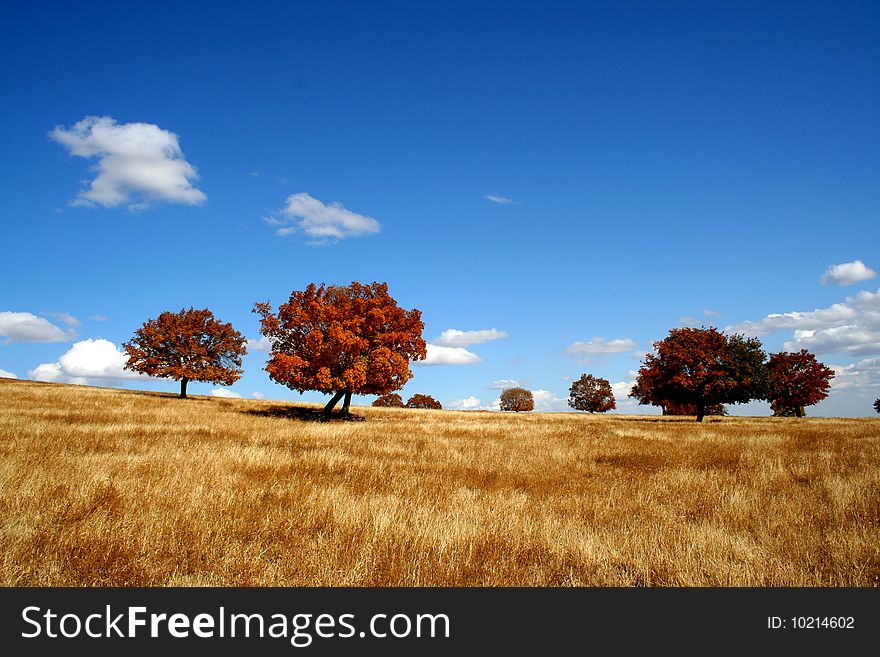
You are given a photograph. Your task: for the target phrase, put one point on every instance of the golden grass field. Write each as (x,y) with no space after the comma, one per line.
(105,487)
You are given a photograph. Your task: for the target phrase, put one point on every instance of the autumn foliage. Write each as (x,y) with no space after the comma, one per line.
(423,401)
(517,399)
(877,404)
(673,408)
(592,394)
(390,400)
(702,367)
(190,345)
(796,380)
(342,340)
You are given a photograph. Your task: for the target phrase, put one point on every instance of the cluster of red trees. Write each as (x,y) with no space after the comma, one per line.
(703,369)
(346,340)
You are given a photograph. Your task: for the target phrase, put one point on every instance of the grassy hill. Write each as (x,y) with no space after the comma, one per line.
(113,487)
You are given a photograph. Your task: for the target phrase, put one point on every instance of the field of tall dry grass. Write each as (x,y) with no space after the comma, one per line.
(105,487)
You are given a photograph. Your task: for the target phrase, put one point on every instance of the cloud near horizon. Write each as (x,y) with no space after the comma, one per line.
(325,223)
(85,361)
(852,326)
(138,164)
(600,347)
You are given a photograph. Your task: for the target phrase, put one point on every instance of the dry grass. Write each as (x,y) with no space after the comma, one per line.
(110,487)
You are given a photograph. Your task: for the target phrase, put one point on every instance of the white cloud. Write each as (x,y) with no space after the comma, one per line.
(86,360)
(708,312)
(260,344)
(456,338)
(548,402)
(499,199)
(98,318)
(863,374)
(257,395)
(852,326)
(5,374)
(25,327)
(503,384)
(325,223)
(600,347)
(848,273)
(438,355)
(65,317)
(621,389)
(224,393)
(468,403)
(138,163)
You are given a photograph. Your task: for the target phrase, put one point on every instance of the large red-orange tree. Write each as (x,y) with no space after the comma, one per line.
(796,380)
(516,399)
(187,346)
(590,393)
(702,367)
(342,340)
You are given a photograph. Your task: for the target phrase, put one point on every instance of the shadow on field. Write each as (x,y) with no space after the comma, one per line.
(303,414)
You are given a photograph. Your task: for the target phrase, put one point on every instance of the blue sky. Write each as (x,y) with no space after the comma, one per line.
(578,177)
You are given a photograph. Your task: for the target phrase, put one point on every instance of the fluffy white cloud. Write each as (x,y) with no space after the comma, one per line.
(438,355)
(468,403)
(86,360)
(323,222)
(848,273)
(456,338)
(138,163)
(503,384)
(497,198)
(25,327)
(862,374)
(548,402)
(5,374)
(257,395)
(224,393)
(621,390)
(65,317)
(260,344)
(600,347)
(852,326)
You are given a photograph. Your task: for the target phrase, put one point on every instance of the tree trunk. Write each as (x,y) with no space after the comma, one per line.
(701,411)
(346,403)
(332,403)
(798,411)
(183,383)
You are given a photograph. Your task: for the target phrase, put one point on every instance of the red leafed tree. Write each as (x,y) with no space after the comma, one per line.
(672,408)
(797,379)
(391,400)
(423,401)
(590,393)
(342,340)
(517,399)
(187,346)
(702,367)
(877,405)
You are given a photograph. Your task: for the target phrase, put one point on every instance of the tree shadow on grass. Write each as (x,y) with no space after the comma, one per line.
(303,414)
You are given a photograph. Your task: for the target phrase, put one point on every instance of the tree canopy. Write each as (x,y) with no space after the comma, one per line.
(423,401)
(796,380)
(702,366)
(517,399)
(342,340)
(390,400)
(877,404)
(190,345)
(592,394)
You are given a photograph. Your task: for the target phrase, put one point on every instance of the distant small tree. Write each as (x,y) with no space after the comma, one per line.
(877,405)
(423,401)
(592,394)
(187,346)
(517,399)
(391,400)
(796,380)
